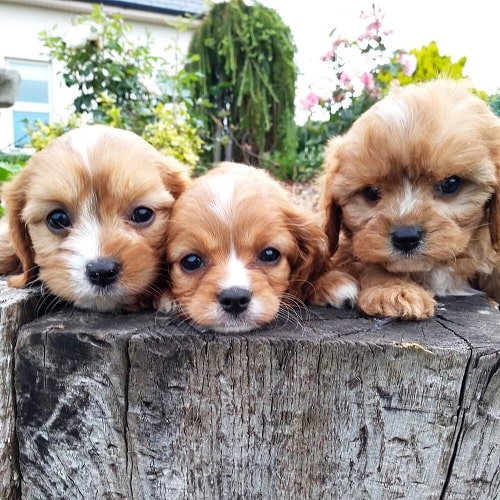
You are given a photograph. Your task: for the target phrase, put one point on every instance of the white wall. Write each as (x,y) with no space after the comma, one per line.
(22,21)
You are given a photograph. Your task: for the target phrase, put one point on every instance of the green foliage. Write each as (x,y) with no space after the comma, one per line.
(356,89)
(41,134)
(106,68)
(494,103)
(10,165)
(246,55)
(172,134)
(117,86)
(431,65)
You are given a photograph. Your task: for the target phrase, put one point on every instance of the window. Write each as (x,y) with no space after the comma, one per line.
(33,99)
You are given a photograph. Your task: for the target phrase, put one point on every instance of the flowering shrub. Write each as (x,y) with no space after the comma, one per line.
(121,84)
(172,134)
(357,74)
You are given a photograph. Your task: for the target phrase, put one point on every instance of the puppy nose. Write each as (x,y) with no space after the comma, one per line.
(102,272)
(407,238)
(235,300)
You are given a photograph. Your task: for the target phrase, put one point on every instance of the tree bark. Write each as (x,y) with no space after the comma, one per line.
(16,308)
(336,406)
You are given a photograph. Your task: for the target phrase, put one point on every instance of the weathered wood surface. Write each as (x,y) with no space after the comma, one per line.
(340,407)
(16,308)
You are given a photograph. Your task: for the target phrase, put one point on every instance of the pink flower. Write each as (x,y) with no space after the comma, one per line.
(309,101)
(408,62)
(328,55)
(367,81)
(345,78)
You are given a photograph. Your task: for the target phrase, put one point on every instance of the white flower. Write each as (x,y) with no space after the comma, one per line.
(82,34)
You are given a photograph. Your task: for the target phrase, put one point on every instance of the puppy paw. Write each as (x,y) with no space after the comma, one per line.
(409,302)
(335,289)
(166,303)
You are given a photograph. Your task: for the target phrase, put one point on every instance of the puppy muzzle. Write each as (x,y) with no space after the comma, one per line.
(235,300)
(102,272)
(407,239)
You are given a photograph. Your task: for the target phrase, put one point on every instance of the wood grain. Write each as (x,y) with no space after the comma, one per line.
(338,406)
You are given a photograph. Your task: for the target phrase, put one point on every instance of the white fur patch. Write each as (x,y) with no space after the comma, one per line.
(236,274)
(347,293)
(222,188)
(83,245)
(394,113)
(83,140)
(408,200)
(444,281)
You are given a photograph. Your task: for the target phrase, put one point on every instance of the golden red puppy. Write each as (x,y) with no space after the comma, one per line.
(240,253)
(87,217)
(412,199)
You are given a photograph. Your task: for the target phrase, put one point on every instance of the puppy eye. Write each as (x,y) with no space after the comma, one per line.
(192,262)
(371,193)
(58,221)
(450,185)
(142,215)
(269,255)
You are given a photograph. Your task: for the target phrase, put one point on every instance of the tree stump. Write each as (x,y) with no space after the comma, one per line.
(16,308)
(337,405)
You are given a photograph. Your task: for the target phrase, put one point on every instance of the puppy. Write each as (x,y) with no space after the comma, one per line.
(411,196)
(239,253)
(87,217)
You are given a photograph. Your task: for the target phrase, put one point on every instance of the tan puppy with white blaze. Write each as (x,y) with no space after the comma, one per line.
(241,254)
(87,218)
(412,199)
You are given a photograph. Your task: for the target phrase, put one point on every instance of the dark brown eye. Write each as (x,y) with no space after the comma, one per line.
(58,221)
(450,185)
(192,262)
(371,193)
(142,216)
(269,255)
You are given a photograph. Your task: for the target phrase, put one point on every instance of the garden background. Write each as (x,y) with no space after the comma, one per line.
(250,89)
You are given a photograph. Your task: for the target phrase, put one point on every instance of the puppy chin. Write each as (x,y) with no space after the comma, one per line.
(117,275)
(208,314)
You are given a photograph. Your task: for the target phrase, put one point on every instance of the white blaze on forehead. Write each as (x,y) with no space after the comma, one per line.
(222,188)
(83,140)
(236,274)
(394,113)
(408,199)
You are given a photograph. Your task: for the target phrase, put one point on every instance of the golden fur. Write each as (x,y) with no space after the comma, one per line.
(114,192)
(412,199)
(239,251)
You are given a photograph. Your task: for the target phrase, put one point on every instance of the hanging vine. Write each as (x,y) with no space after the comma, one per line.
(245,55)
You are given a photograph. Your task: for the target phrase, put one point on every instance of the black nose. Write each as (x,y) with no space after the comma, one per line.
(407,238)
(102,272)
(235,300)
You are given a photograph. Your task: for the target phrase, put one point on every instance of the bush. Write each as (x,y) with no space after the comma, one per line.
(358,74)
(116,86)
(10,165)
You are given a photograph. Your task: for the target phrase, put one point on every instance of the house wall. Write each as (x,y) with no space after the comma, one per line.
(22,21)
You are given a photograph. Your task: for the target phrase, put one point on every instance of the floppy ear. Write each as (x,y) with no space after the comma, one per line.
(494,202)
(494,219)
(312,252)
(333,223)
(14,195)
(9,262)
(175,175)
(331,210)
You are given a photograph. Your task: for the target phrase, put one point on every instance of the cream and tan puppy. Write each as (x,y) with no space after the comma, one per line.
(87,217)
(412,199)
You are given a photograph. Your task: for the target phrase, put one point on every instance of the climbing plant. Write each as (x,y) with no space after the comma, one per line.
(245,54)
